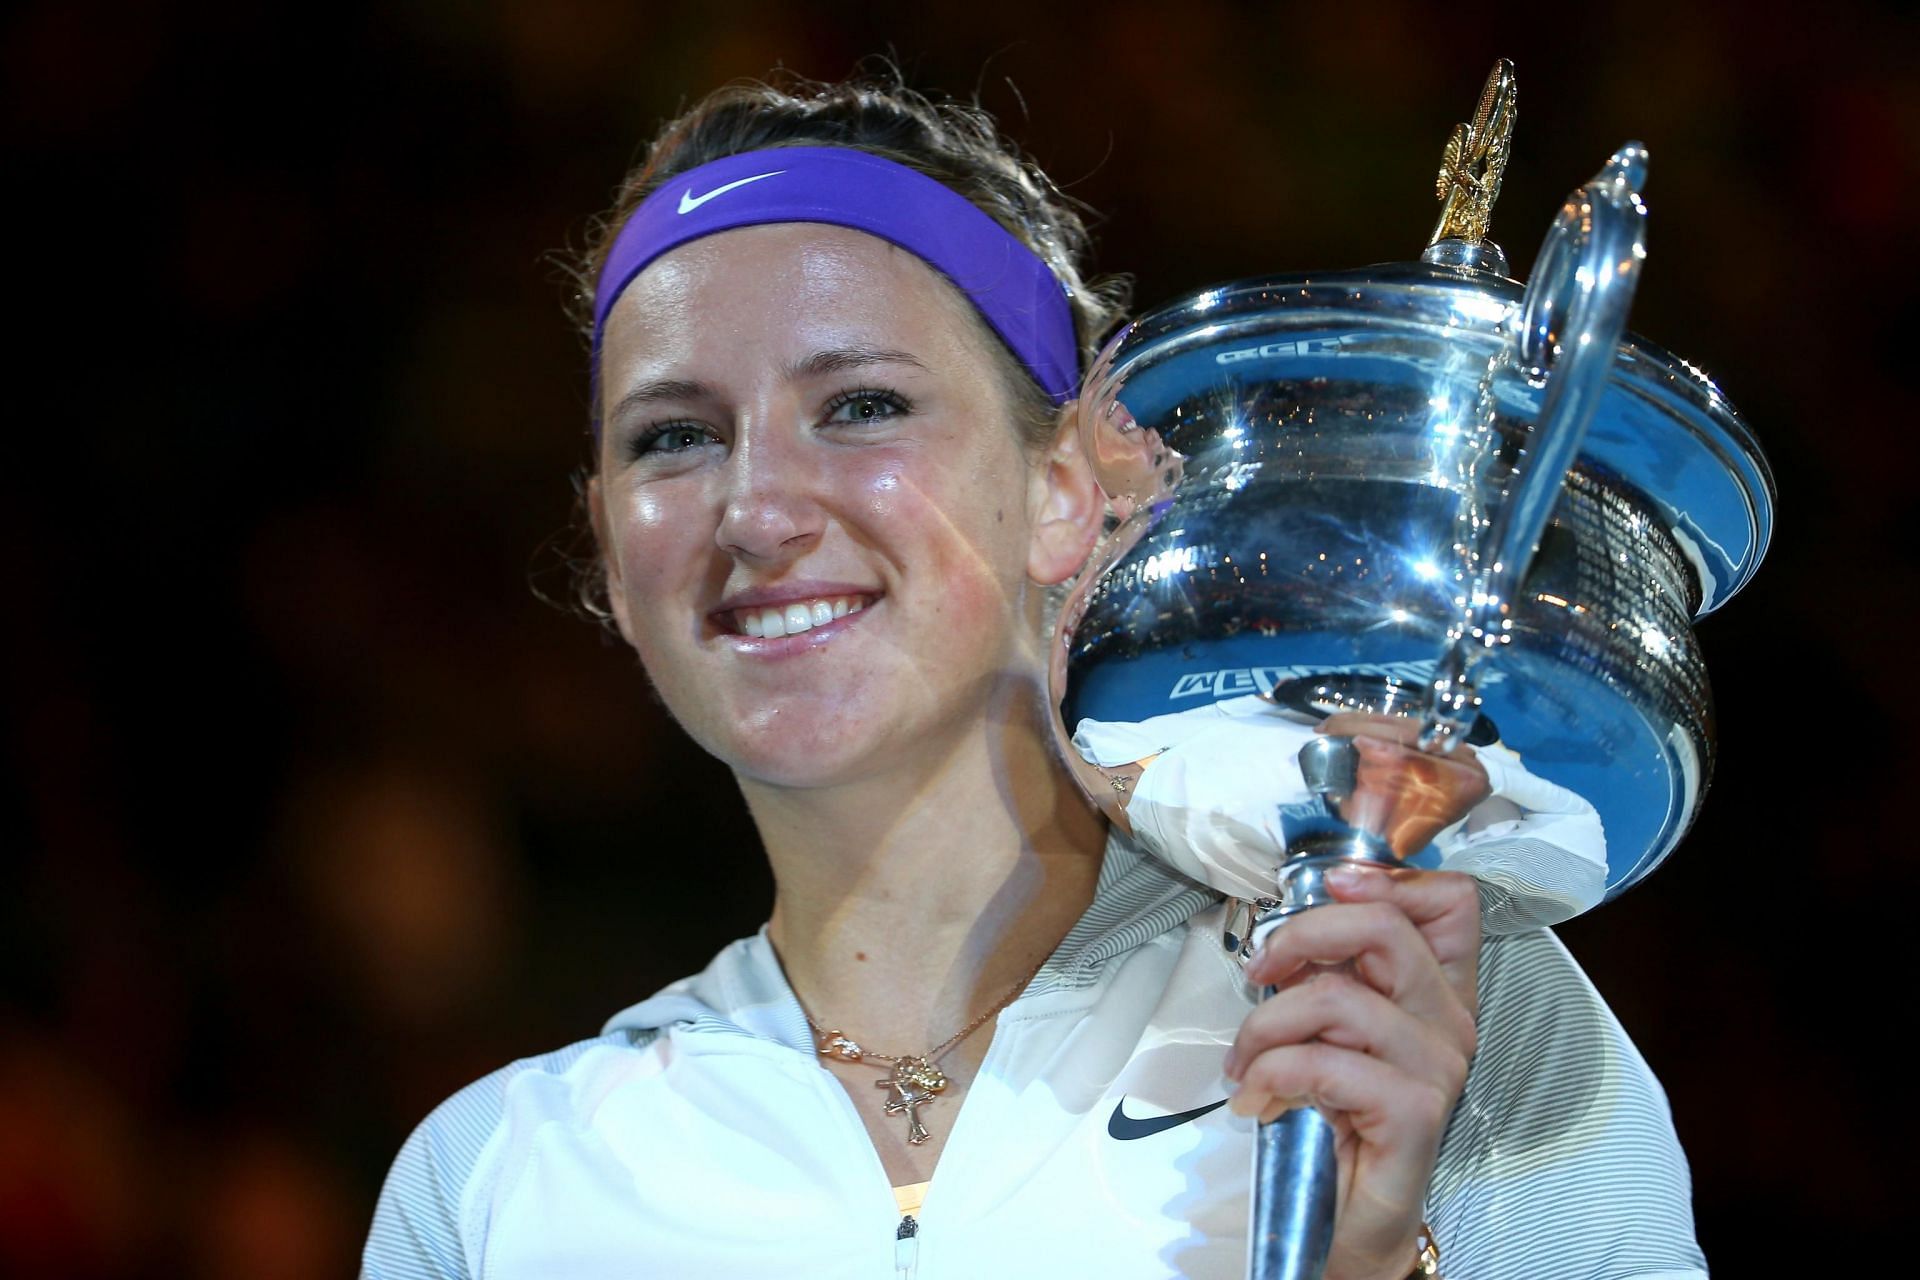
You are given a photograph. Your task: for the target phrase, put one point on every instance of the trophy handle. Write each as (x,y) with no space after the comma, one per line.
(1571,319)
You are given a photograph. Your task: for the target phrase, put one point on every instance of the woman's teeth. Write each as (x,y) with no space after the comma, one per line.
(792,619)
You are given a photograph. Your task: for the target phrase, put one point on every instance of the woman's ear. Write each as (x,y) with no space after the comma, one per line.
(1068,506)
(609,562)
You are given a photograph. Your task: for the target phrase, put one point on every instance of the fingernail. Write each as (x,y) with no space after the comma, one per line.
(1260,968)
(1348,876)
(1230,1067)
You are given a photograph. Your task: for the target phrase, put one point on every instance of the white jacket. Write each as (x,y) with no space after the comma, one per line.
(699,1136)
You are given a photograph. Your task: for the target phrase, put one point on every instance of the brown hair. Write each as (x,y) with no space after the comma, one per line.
(952,142)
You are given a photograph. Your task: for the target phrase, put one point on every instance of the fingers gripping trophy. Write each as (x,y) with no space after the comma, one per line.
(1398,544)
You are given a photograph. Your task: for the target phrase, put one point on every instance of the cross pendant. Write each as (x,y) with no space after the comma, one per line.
(907,1100)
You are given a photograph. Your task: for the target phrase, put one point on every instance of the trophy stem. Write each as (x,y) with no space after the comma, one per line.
(1296,1172)
(1296,1179)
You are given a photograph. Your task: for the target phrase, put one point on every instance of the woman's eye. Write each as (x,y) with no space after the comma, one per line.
(866,406)
(670,437)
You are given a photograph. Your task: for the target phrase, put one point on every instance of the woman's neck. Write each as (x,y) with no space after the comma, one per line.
(907,904)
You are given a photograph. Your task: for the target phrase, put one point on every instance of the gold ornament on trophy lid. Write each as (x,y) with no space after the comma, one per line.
(1471,167)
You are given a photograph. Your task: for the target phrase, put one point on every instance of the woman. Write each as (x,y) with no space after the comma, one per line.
(832,335)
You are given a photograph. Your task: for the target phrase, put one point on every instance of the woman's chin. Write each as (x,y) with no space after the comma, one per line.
(802,757)
(784,771)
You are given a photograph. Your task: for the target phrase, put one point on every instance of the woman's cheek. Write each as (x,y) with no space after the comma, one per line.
(649,513)
(881,494)
(661,540)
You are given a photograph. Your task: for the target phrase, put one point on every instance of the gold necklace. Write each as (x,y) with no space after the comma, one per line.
(915,1080)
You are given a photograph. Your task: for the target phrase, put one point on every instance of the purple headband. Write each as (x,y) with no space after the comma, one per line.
(1007,283)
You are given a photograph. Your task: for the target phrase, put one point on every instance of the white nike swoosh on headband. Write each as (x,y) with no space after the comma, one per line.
(689,201)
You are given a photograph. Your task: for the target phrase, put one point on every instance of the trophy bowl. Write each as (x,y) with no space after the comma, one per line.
(1304,469)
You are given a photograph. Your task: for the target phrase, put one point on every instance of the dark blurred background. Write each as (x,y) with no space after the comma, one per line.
(313,811)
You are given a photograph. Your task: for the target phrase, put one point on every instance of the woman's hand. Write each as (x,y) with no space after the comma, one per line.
(1400,793)
(1373,1024)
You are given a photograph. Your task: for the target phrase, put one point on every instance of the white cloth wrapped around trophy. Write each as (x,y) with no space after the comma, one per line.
(1214,780)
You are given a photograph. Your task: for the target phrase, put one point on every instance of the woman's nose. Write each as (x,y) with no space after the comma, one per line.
(771,511)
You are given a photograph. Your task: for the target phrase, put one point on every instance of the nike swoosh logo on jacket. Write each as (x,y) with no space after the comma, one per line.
(1127,1128)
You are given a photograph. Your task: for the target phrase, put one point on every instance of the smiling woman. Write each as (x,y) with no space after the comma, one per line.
(835,421)
(833,331)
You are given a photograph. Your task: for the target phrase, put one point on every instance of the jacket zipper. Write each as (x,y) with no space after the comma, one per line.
(906,1247)
(906,1243)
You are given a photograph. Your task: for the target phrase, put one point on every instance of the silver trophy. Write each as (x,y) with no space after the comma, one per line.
(1416,489)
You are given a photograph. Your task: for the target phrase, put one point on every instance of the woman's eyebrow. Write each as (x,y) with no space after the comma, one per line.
(661,389)
(841,359)
(830,360)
